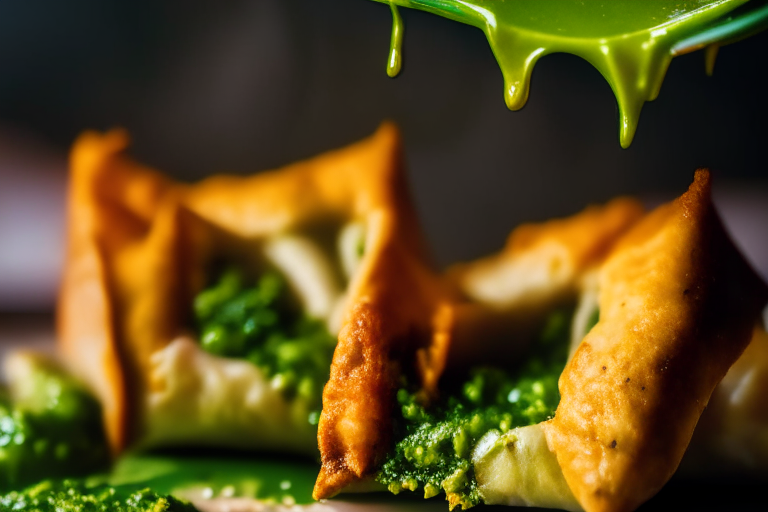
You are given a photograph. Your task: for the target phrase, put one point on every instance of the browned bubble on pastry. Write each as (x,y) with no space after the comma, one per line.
(140,245)
(677,307)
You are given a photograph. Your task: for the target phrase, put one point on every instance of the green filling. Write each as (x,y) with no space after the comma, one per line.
(260,324)
(53,430)
(77,496)
(435,443)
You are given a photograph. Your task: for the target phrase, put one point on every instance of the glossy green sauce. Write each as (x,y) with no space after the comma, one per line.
(260,324)
(434,444)
(215,475)
(629,41)
(53,429)
(168,482)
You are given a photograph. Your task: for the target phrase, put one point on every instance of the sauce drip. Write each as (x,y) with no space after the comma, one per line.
(629,42)
(395,60)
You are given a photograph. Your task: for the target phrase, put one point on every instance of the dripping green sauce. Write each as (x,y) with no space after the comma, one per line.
(259,323)
(630,42)
(395,60)
(434,444)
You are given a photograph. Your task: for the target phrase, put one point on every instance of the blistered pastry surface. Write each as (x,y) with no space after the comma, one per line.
(677,307)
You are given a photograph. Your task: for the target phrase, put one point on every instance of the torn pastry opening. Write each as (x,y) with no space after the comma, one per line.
(633,328)
(249,369)
(453,445)
(480,439)
(207,314)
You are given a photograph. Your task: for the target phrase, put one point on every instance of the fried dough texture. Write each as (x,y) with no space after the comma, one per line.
(677,307)
(542,262)
(508,295)
(358,402)
(140,245)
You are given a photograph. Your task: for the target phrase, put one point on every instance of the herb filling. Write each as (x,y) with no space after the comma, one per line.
(260,324)
(435,443)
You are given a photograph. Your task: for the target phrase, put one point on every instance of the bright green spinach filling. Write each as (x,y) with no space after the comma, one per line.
(259,323)
(77,496)
(435,443)
(53,430)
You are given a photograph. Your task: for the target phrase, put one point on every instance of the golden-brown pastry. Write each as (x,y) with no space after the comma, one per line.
(677,306)
(542,266)
(339,226)
(544,262)
(508,295)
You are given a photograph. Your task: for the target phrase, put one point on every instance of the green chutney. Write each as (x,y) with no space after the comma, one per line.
(434,444)
(261,324)
(50,427)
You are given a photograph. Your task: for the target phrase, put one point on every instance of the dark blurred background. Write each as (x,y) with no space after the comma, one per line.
(242,86)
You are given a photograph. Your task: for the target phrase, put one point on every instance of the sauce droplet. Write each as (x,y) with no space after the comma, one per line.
(628,41)
(395,60)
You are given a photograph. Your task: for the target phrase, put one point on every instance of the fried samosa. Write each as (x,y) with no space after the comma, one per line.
(674,306)
(207,313)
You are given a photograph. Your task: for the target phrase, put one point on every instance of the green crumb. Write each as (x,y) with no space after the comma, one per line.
(260,324)
(75,496)
(435,443)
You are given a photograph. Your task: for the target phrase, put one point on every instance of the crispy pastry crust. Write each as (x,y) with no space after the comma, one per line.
(398,324)
(677,308)
(511,293)
(139,245)
(542,262)
(413,336)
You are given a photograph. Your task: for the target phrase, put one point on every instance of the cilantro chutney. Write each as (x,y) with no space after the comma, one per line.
(258,323)
(629,42)
(434,444)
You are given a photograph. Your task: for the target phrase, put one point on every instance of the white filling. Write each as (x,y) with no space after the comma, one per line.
(532,277)
(308,271)
(200,399)
(518,469)
(196,398)
(351,240)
